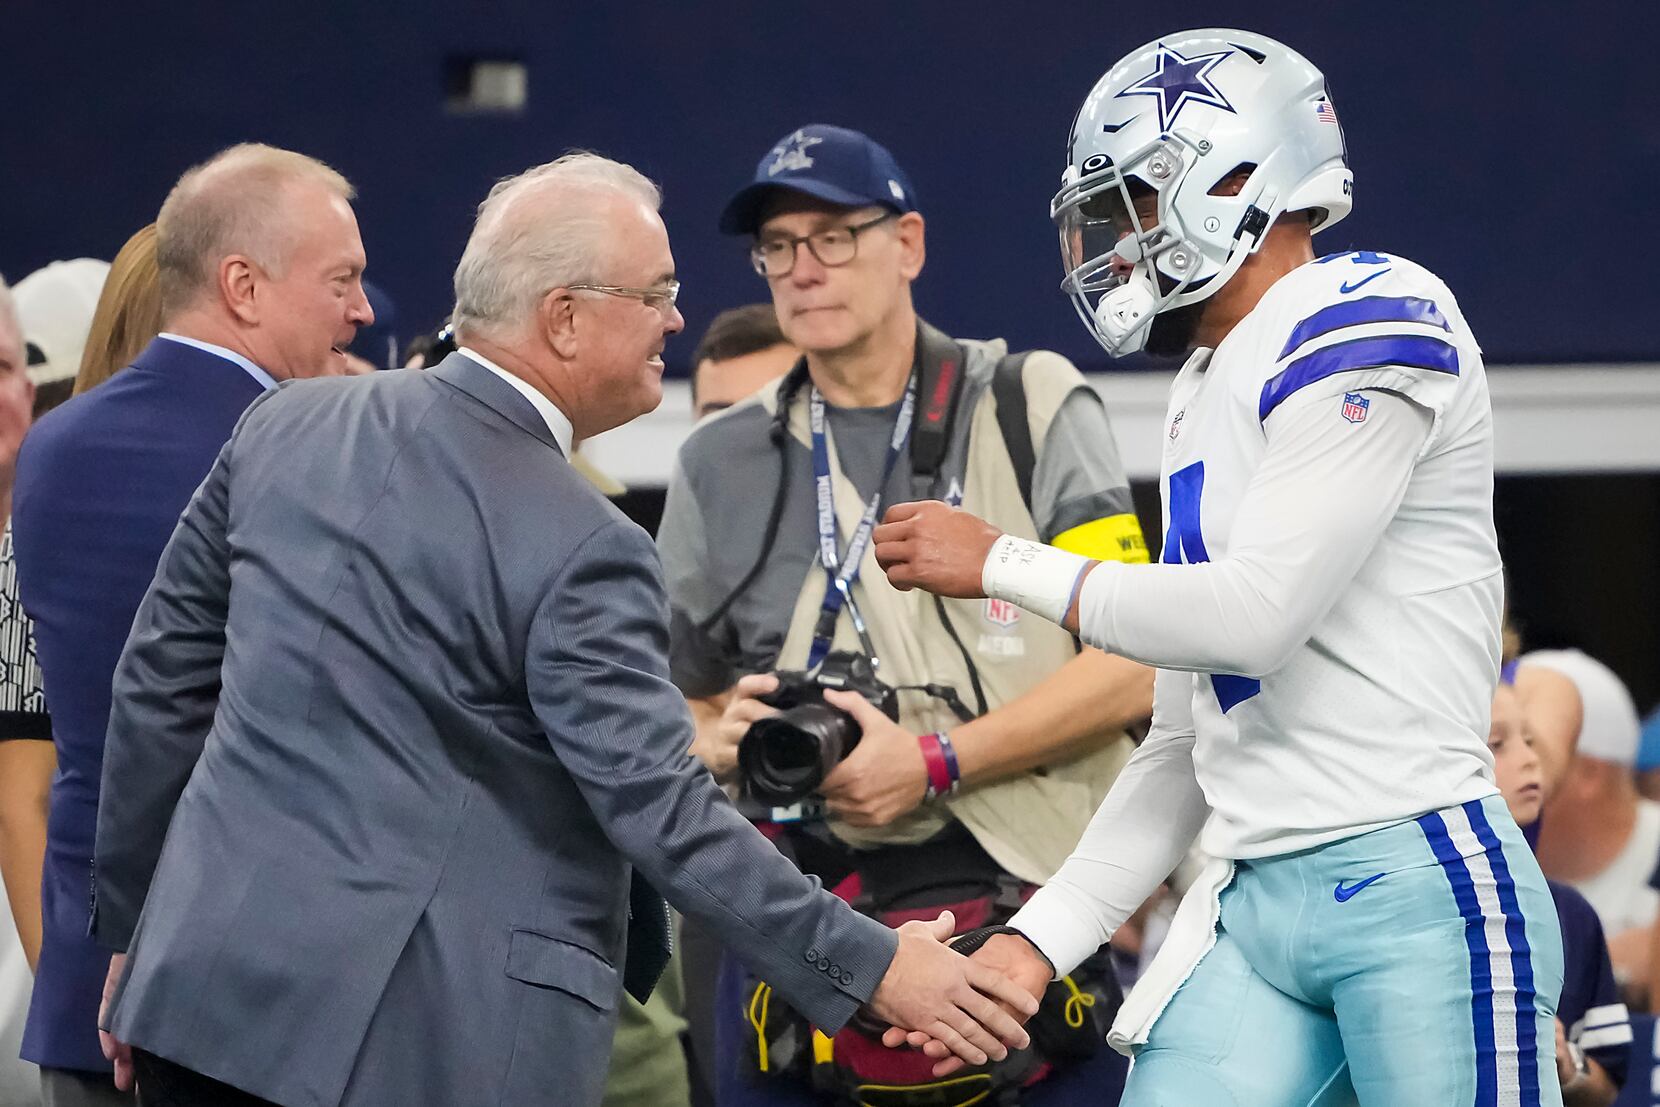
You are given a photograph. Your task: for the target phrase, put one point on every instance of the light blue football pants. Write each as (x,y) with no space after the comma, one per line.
(1414,966)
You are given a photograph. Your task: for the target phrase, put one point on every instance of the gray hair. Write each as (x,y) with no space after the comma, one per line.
(224,206)
(514,257)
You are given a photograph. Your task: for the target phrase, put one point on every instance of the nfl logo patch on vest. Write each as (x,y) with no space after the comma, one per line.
(1354,407)
(1001,613)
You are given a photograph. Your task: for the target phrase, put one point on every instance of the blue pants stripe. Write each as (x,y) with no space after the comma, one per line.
(1521,955)
(1475,937)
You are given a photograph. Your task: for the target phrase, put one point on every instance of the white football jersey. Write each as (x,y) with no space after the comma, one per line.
(1382,714)
(1343,633)
(1325,618)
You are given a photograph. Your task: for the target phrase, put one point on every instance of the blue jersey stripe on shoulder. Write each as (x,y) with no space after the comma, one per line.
(1413,351)
(1367,309)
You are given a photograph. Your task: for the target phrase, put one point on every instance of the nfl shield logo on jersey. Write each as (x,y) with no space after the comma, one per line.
(1354,407)
(1001,613)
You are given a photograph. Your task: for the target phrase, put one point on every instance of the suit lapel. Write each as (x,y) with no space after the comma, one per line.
(463,373)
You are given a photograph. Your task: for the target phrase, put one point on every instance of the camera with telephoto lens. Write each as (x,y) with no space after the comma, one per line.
(783,758)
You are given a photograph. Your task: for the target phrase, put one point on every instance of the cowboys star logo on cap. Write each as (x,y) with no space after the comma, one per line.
(1179,81)
(791,154)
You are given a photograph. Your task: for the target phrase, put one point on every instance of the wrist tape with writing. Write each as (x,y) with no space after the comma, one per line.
(1029,574)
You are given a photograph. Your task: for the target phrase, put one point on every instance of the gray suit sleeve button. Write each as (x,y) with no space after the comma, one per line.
(824,964)
(812,956)
(847,979)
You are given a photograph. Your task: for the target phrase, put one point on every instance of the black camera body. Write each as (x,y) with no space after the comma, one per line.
(783,758)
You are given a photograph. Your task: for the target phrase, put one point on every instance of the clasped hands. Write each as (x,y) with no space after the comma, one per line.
(959,1011)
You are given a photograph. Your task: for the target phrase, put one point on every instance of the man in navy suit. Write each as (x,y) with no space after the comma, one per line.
(260,270)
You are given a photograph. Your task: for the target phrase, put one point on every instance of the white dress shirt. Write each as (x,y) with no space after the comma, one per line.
(561,427)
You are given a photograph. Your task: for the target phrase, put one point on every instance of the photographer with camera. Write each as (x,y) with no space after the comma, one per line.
(913,753)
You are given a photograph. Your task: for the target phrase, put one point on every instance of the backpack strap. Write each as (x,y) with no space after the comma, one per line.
(1008,387)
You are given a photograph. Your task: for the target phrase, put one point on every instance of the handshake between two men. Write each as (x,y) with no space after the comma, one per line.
(959,1011)
(1001,966)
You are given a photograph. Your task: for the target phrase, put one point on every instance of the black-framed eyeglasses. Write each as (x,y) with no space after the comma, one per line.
(774,255)
(662,297)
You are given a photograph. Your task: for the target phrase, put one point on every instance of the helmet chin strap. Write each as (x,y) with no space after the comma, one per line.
(1124,315)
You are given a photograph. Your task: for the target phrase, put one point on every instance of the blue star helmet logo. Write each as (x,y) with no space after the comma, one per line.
(1180,81)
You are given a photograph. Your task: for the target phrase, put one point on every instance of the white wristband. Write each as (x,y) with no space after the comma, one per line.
(1031,575)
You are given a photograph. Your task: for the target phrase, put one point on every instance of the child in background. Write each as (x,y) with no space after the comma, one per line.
(1593,1034)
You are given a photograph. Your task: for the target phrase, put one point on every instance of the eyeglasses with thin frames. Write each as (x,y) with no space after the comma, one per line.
(662,297)
(833,247)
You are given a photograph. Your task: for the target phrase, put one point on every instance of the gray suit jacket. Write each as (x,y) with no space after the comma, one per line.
(392,725)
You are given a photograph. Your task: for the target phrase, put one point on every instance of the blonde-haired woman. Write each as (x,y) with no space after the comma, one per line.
(128,315)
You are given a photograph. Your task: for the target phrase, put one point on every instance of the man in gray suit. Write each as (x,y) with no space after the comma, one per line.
(394,722)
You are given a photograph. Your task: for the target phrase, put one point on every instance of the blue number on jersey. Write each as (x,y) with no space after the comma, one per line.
(1359,257)
(1185,544)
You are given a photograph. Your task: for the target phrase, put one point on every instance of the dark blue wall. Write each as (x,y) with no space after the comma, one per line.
(1502,145)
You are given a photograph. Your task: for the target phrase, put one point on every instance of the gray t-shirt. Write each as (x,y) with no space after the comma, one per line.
(729,471)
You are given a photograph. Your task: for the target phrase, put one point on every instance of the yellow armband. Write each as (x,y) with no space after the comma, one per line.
(1114,538)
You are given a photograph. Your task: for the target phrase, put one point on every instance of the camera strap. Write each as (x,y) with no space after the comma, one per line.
(842,572)
(940,375)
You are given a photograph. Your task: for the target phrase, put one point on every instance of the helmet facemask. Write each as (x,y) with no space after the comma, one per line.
(1123,273)
(1109,253)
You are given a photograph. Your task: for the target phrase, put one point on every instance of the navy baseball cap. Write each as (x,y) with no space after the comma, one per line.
(831,163)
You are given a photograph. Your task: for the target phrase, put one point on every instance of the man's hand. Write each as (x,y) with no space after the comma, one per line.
(960,1004)
(115,1049)
(1009,954)
(884,777)
(934,547)
(716,744)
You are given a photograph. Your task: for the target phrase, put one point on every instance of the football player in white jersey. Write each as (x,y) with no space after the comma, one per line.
(1325,621)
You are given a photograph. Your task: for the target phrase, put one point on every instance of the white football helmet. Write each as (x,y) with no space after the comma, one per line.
(1179,116)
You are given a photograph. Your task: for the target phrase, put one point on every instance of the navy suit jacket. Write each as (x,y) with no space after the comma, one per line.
(100,485)
(393,724)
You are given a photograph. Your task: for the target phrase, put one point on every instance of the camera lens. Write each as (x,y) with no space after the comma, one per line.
(785,757)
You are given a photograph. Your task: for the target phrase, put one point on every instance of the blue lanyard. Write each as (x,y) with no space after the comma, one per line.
(843,572)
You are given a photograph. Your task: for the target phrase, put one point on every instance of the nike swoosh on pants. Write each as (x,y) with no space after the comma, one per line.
(1342,894)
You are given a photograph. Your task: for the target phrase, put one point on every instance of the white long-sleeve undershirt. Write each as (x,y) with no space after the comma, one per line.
(1312,513)
(1141,831)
